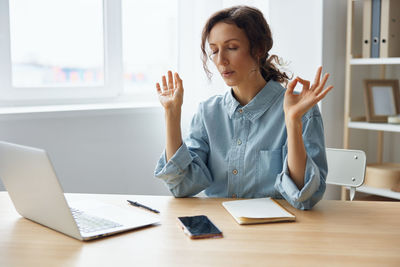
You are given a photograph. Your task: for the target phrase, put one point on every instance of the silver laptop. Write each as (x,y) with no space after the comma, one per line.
(32,184)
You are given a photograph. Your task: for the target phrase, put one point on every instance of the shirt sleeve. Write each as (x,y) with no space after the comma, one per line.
(186,173)
(315,172)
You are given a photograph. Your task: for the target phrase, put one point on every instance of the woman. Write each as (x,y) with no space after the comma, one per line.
(258,139)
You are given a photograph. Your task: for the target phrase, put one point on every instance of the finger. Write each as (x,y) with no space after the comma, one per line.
(302,81)
(179,82)
(291,86)
(322,85)
(317,77)
(323,93)
(176,80)
(164,83)
(158,88)
(305,83)
(170,80)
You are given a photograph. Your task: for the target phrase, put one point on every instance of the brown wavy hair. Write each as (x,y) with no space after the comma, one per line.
(253,23)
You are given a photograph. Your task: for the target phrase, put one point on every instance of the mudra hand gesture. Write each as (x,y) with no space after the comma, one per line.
(296,105)
(171,93)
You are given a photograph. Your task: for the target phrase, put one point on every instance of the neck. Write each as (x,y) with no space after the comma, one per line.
(248,89)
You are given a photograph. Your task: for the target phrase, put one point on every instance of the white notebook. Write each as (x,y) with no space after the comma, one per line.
(257,210)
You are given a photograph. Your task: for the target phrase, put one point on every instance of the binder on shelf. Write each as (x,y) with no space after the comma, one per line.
(375,27)
(366,36)
(390,28)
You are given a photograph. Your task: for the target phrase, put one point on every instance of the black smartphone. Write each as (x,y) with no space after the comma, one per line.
(199,227)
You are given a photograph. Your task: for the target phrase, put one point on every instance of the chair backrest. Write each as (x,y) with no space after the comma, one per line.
(345,167)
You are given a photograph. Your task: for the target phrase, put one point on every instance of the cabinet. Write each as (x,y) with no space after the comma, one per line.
(356,69)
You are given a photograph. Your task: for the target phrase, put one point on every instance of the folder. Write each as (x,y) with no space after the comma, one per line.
(375,27)
(366,36)
(390,28)
(257,210)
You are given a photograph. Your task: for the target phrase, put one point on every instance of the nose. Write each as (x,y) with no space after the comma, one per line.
(221,59)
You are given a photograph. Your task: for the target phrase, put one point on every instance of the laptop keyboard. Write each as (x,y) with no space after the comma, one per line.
(88,223)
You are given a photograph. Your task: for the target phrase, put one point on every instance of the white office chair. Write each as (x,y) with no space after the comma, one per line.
(346,168)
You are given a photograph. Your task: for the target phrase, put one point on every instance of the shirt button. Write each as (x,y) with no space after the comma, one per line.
(235,172)
(241,110)
(234,196)
(239,142)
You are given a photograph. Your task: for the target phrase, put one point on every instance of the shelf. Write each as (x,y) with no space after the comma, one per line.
(375,126)
(354,47)
(379,192)
(375,61)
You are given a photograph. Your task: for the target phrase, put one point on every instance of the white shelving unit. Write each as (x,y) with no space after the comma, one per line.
(379,192)
(374,126)
(348,124)
(375,61)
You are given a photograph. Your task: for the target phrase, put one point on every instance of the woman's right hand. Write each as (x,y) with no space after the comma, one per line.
(171,98)
(171,93)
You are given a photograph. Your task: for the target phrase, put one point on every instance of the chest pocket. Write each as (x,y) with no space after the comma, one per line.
(269,165)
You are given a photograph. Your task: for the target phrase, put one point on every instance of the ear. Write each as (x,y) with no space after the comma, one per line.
(259,53)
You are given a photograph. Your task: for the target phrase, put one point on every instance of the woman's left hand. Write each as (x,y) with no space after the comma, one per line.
(296,105)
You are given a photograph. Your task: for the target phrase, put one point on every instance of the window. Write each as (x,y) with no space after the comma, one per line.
(74,51)
(149,43)
(59,51)
(71,51)
(49,49)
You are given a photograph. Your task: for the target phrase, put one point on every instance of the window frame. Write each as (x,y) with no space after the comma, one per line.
(113,66)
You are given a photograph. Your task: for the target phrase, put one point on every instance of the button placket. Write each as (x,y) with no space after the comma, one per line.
(236,153)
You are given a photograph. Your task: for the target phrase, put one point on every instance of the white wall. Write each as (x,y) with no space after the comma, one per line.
(333,60)
(297,33)
(112,151)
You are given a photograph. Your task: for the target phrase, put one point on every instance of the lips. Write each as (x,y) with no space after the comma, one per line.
(227,74)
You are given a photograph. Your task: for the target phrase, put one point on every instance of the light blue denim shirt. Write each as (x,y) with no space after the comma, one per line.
(241,152)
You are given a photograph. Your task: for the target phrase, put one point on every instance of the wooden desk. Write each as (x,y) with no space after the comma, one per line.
(333,233)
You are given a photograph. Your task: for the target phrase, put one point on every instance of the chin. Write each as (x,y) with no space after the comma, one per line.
(230,83)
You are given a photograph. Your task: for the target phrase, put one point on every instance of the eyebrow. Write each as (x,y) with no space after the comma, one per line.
(233,39)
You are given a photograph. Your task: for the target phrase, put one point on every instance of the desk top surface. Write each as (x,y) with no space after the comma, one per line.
(332,233)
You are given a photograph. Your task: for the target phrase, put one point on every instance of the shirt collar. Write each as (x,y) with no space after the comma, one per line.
(258,105)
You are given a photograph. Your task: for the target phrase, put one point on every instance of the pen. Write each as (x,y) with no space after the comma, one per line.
(136,204)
